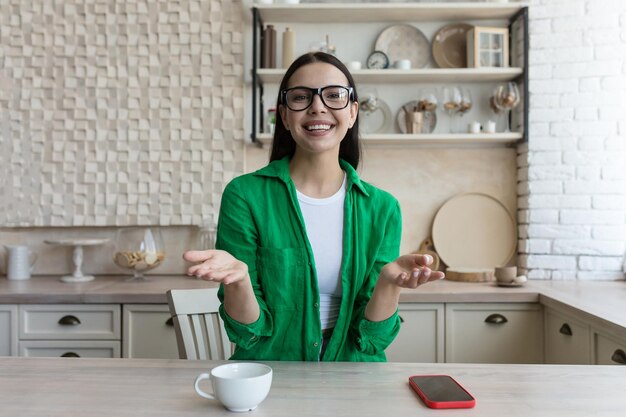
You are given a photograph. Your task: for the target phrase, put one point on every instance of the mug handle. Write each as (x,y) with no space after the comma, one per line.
(197,386)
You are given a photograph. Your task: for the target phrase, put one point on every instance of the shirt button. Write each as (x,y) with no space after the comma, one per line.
(316,344)
(316,305)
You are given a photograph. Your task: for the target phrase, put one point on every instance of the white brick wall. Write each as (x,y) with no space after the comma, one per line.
(572,184)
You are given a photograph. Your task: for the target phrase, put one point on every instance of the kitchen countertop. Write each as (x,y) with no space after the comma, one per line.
(601,301)
(158,387)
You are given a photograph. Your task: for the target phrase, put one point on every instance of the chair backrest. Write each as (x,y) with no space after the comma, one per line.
(200,333)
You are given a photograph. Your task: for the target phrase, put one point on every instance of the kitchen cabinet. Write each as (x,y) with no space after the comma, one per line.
(69,330)
(421,337)
(148,332)
(8,330)
(353,29)
(567,339)
(608,350)
(494,333)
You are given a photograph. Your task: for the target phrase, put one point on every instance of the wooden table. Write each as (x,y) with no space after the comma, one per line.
(133,387)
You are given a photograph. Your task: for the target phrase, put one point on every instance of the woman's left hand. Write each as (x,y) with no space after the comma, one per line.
(410,271)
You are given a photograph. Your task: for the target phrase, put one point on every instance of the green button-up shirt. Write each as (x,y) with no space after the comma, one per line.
(261,224)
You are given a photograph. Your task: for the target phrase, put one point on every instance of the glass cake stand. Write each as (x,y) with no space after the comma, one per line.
(77,256)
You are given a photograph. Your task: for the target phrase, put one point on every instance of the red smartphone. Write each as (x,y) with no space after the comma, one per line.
(441,391)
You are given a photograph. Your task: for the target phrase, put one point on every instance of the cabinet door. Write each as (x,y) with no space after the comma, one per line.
(421,334)
(608,350)
(494,333)
(148,332)
(8,330)
(567,339)
(70,348)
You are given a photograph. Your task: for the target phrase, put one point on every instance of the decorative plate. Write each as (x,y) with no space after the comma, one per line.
(450,45)
(375,116)
(428,124)
(404,42)
(474,231)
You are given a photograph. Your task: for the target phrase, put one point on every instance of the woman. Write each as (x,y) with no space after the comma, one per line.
(308,253)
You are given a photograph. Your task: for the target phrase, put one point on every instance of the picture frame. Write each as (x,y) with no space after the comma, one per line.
(488,47)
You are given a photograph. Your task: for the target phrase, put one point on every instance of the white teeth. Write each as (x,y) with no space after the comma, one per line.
(318,127)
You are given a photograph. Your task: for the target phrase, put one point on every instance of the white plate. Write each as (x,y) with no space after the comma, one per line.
(509,284)
(377,120)
(404,42)
(475,231)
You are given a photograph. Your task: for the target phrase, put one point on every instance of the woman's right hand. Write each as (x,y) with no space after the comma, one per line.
(216,265)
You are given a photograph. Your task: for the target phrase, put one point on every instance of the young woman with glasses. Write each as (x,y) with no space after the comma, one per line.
(307,252)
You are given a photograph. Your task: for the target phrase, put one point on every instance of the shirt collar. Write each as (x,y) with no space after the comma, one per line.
(280,169)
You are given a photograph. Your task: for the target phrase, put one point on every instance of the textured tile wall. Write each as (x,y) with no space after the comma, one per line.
(118,112)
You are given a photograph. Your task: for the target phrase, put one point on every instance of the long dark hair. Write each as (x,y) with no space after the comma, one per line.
(284,145)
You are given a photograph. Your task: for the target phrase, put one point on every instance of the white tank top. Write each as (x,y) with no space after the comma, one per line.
(323,218)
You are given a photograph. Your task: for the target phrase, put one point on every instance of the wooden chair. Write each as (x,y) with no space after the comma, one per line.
(200,333)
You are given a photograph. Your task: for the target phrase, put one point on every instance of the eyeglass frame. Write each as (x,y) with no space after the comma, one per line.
(317,91)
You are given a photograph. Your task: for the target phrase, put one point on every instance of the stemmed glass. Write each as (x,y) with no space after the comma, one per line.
(451,102)
(494,106)
(138,249)
(427,100)
(466,103)
(507,97)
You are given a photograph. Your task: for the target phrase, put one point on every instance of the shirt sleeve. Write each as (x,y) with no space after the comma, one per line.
(237,235)
(373,338)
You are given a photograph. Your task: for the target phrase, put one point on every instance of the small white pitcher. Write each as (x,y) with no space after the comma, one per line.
(20,262)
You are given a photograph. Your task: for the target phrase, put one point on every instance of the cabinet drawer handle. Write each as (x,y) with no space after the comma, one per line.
(619,357)
(565,329)
(170,322)
(401,319)
(70,355)
(69,321)
(496,318)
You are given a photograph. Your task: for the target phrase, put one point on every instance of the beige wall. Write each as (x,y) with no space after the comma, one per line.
(423,178)
(118,113)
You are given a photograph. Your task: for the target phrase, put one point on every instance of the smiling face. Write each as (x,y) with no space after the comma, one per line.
(318,129)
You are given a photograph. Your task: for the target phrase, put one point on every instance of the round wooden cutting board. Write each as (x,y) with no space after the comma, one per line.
(474,231)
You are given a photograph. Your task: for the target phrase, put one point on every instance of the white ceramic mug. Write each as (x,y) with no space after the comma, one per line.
(490,127)
(354,65)
(20,262)
(473,127)
(505,273)
(239,386)
(403,64)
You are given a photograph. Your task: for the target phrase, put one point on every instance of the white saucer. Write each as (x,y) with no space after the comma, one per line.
(510,284)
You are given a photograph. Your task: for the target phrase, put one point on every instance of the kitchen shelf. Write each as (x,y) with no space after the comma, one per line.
(515,15)
(390,12)
(430,75)
(428,139)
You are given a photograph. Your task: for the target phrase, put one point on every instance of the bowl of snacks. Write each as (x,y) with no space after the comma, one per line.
(138,249)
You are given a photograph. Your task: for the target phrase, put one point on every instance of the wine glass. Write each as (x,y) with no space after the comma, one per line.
(494,105)
(427,100)
(206,238)
(466,103)
(451,102)
(507,97)
(138,249)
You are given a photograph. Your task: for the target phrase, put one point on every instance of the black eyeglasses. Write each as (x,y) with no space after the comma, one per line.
(335,97)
